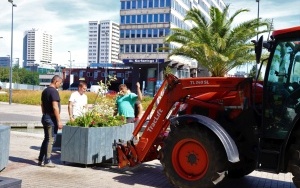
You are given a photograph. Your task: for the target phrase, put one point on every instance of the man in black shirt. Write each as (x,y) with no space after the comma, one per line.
(50,103)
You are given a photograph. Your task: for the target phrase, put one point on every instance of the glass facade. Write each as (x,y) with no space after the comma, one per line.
(138,4)
(144,24)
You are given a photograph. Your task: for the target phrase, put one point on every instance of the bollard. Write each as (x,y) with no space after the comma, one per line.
(4,145)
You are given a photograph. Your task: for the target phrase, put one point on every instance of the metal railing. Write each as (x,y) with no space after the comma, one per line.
(5,85)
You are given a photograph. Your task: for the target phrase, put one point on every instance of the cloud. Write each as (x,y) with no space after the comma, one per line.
(66,21)
(284,13)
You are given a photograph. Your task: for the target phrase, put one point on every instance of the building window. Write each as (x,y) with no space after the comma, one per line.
(155,18)
(139,3)
(144,33)
(133,4)
(149,33)
(144,18)
(144,3)
(149,47)
(155,48)
(122,34)
(127,33)
(155,33)
(120,75)
(156,3)
(133,19)
(162,3)
(122,5)
(161,33)
(132,48)
(143,47)
(150,4)
(150,18)
(167,18)
(128,4)
(128,19)
(121,48)
(133,33)
(138,46)
(138,33)
(126,48)
(139,19)
(168,3)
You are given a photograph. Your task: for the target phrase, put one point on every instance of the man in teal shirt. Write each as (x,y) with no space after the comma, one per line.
(126,100)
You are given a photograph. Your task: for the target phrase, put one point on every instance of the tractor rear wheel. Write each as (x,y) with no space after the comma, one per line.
(193,157)
(242,168)
(294,163)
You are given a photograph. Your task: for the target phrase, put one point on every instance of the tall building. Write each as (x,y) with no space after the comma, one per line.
(103,47)
(144,24)
(37,48)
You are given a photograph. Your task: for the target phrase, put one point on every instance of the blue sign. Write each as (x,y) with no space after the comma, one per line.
(143,61)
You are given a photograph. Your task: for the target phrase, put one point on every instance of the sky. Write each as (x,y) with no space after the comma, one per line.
(67,22)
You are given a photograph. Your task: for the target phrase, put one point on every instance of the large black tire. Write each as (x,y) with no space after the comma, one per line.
(193,157)
(294,162)
(242,168)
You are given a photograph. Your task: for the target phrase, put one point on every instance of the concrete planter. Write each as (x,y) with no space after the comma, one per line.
(4,145)
(91,145)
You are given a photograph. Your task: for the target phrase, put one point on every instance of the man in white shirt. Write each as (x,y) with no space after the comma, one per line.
(78,102)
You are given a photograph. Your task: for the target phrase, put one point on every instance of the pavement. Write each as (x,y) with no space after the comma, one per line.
(24,149)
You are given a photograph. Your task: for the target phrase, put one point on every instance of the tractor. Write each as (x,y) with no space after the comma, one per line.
(205,129)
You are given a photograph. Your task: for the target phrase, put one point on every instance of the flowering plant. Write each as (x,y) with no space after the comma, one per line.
(102,112)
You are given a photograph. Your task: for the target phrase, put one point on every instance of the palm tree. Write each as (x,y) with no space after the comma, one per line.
(215,44)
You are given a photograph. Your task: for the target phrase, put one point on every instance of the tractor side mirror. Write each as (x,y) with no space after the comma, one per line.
(258,49)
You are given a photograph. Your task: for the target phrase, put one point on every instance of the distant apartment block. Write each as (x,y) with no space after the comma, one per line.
(103,43)
(5,62)
(37,48)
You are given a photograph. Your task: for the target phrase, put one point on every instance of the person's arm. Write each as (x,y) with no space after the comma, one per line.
(70,110)
(56,113)
(43,111)
(140,111)
(139,93)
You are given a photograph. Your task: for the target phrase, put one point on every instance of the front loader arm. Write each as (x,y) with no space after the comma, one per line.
(168,98)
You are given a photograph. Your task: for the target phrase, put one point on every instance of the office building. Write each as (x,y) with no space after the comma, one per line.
(5,62)
(37,48)
(144,24)
(103,43)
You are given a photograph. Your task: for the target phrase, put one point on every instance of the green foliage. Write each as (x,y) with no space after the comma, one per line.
(168,70)
(34,97)
(102,113)
(93,118)
(216,44)
(19,75)
(252,73)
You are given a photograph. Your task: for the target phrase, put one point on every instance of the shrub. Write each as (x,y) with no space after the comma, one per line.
(102,113)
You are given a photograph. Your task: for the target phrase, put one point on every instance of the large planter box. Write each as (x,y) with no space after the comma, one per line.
(91,145)
(4,145)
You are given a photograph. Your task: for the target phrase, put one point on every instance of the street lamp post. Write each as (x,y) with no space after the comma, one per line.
(257,17)
(70,69)
(11,49)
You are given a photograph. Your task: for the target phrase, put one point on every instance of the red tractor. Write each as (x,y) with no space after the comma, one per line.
(207,128)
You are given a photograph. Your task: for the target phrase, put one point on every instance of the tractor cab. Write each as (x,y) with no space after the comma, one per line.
(281,98)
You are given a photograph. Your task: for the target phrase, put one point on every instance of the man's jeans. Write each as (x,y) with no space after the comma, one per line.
(50,131)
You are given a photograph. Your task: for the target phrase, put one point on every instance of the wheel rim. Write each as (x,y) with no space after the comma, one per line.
(190,159)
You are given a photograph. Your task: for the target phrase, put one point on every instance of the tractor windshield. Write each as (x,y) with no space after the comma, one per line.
(282,102)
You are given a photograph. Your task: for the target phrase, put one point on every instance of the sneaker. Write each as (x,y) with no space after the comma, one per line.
(49,164)
(40,163)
